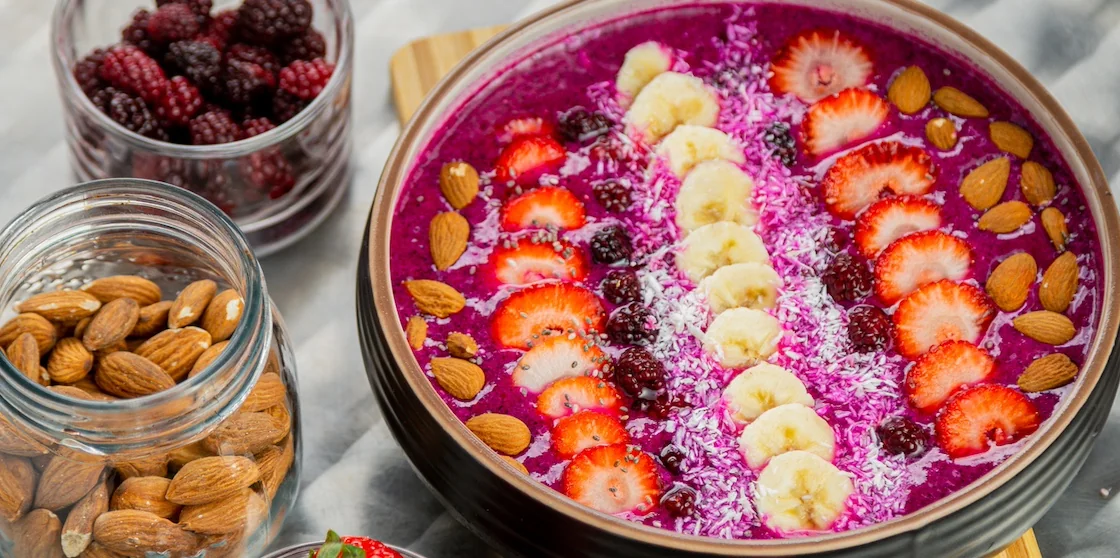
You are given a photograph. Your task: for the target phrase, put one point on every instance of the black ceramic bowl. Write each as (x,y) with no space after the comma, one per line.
(521,517)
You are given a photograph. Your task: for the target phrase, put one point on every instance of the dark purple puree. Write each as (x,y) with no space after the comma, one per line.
(559,78)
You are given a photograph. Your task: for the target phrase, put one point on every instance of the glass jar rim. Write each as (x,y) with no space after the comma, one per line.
(241,148)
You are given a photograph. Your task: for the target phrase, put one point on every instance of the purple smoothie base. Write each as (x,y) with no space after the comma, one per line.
(580,72)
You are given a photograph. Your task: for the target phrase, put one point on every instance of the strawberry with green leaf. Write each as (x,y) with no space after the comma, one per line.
(353,547)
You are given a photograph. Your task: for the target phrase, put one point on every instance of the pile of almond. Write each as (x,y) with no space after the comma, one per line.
(116,338)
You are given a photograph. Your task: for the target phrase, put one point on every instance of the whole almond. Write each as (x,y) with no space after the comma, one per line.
(910,91)
(17,487)
(77,532)
(274,463)
(154,466)
(503,433)
(416,331)
(223,314)
(1012,138)
(137,533)
(78,393)
(111,324)
(459,378)
(179,457)
(176,350)
(984,186)
(1006,217)
(1037,184)
(39,327)
(1059,283)
(15,441)
(191,303)
(268,391)
(1054,223)
(942,133)
(281,417)
(1010,282)
(208,479)
(448,234)
(98,550)
(89,386)
(244,433)
(207,356)
(958,103)
(64,481)
(1047,373)
(153,319)
(238,512)
(64,306)
(69,362)
(145,494)
(515,464)
(1045,326)
(108,289)
(433,297)
(461,345)
(80,327)
(459,183)
(128,375)
(23,353)
(37,535)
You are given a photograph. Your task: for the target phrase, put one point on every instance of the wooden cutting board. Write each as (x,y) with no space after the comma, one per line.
(418,67)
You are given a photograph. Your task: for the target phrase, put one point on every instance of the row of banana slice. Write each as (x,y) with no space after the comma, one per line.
(798,488)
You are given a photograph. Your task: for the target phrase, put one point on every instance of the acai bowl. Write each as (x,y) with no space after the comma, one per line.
(717,278)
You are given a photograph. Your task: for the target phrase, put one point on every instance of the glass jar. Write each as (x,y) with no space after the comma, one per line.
(239,177)
(205,466)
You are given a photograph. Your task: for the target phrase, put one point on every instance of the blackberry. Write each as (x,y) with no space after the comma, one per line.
(172,22)
(200,8)
(869,329)
(214,127)
(581,125)
(672,458)
(680,501)
(848,278)
(270,172)
(621,286)
(242,82)
(902,436)
(306,80)
(136,32)
(285,106)
(778,136)
(220,30)
(198,60)
(164,169)
(130,69)
(639,373)
(308,46)
(611,245)
(87,72)
(632,324)
(132,113)
(267,22)
(256,126)
(613,195)
(179,103)
(254,55)
(102,97)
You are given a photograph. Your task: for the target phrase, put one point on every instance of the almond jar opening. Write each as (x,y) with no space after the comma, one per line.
(148,388)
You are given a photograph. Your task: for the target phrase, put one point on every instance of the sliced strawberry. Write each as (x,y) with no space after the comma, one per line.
(984,415)
(526,127)
(890,219)
(557,308)
(528,157)
(861,177)
(613,479)
(944,370)
(919,259)
(549,206)
(571,395)
(554,357)
(586,429)
(524,262)
(841,120)
(819,62)
(940,312)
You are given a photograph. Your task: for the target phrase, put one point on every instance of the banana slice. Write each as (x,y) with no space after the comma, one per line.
(714,191)
(742,285)
(786,428)
(799,491)
(669,100)
(763,387)
(742,337)
(713,246)
(688,146)
(642,63)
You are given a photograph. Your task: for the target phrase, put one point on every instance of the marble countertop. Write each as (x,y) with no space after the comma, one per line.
(356,479)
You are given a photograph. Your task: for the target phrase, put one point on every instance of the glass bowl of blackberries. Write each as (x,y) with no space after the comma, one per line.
(244,102)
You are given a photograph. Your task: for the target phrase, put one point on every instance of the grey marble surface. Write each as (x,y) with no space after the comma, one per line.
(356,478)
